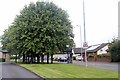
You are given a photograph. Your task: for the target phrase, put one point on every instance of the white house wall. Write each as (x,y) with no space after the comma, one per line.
(1,55)
(103,50)
(5,56)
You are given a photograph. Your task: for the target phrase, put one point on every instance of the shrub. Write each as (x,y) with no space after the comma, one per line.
(104,55)
(91,56)
(74,58)
(2,60)
(12,57)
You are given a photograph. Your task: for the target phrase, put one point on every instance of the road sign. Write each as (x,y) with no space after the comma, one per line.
(85,45)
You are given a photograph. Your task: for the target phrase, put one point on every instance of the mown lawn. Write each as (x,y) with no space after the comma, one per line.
(69,71)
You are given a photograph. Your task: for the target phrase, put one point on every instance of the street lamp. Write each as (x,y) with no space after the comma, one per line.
(84,32)
(80,37)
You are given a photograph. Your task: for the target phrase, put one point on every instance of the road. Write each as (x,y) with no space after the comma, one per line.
(102,65)
(13,71)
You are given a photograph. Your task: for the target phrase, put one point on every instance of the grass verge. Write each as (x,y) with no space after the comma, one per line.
(69,71)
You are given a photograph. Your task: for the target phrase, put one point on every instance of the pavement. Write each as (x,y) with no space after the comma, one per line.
(12,71)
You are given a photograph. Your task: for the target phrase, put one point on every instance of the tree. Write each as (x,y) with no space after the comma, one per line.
(9,41)
(40,28)
(115,51)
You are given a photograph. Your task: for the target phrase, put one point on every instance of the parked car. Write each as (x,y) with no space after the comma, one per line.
(79,58)
(62,59)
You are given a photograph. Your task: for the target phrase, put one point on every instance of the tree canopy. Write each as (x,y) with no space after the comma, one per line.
(41,27)
(115,51)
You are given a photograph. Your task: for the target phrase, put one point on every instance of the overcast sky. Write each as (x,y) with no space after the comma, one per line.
(101,17)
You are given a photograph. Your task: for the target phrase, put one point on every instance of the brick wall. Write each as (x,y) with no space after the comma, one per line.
(100,59)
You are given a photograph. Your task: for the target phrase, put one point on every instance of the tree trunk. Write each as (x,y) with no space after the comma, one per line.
(26,58)
(47,58)
(34,58)
(16,58)
(38,58)
(42,58)
(51,58)
(31,61)
(23,58)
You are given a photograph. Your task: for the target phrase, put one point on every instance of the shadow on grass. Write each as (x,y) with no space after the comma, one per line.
(38,63)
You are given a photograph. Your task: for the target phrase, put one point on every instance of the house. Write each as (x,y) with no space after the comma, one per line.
(98,49)
(4,56)
(93,49)
(78,50)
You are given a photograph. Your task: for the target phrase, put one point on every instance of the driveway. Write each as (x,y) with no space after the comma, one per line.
(13,71)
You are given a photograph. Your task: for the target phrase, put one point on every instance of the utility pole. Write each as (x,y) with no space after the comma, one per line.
(84,33)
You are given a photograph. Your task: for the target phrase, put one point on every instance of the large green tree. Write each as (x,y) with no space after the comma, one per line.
(41,27)
(115,51)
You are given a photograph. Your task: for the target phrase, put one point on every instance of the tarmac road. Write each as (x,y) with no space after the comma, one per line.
(12,71)
(102,65)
